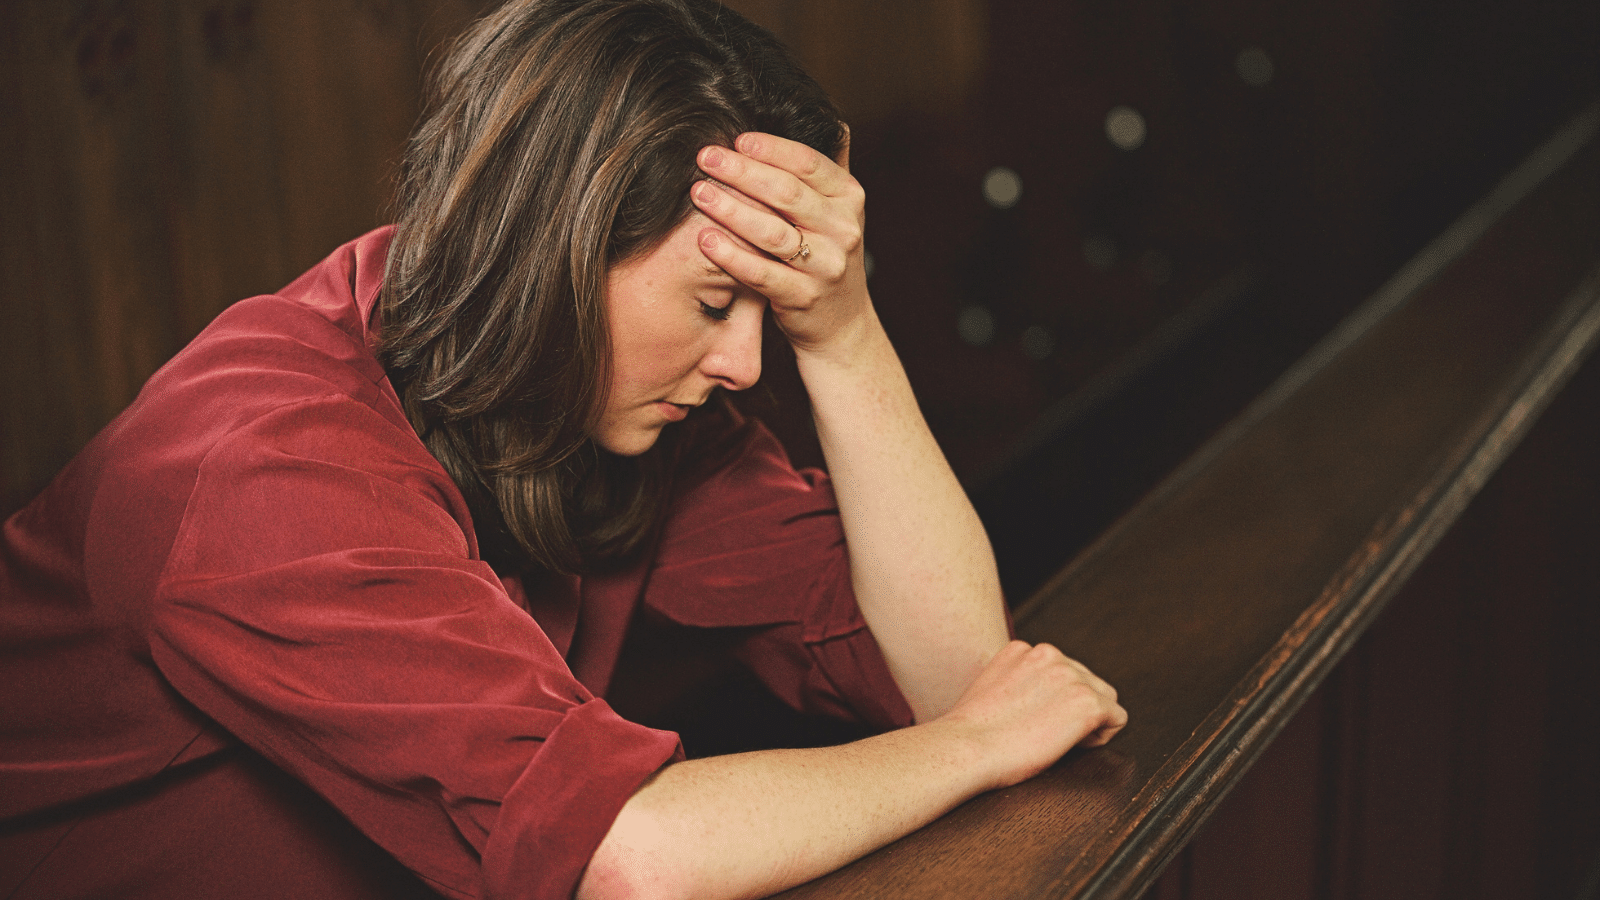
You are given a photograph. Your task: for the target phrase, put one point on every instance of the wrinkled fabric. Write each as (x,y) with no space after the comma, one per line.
(250,650)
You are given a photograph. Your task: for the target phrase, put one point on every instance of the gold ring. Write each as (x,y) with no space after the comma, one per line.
(805,249)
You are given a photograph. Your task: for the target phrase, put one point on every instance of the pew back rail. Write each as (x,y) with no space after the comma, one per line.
(1219,602)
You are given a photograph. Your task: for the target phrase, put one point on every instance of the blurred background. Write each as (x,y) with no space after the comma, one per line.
(1096,228)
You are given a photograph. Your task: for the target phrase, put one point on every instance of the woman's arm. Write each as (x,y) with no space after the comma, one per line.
(991,713)
(921,565)
(750,824)
(920,562)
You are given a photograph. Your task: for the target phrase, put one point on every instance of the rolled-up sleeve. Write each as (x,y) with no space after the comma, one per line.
(752,543)
(322,604)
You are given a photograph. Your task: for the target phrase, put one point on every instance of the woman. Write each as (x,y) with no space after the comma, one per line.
(328,611)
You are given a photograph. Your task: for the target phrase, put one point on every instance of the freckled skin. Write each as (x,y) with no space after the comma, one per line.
(670,345)
(989,711)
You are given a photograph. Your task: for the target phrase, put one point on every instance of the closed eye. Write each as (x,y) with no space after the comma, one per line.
(720,313)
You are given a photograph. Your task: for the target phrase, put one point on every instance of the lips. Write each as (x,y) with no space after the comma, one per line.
(673,412)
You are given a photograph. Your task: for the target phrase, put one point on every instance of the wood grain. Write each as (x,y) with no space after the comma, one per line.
(165,158)
(1220,601)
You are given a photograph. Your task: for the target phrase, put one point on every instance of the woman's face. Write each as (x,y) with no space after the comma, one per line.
(679,327)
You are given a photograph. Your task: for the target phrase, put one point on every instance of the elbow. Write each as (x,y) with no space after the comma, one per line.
(622,872)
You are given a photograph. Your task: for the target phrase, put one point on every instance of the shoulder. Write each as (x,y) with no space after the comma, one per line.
(310,339)
(278,413)
(264,365)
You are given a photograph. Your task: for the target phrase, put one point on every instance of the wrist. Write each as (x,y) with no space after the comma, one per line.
(847,346)
(965,747)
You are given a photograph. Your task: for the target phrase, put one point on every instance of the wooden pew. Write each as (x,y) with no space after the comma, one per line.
(1219,602)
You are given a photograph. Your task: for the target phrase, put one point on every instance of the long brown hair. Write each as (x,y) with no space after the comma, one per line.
(559,139)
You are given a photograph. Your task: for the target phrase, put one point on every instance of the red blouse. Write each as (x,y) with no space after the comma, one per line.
(247,646)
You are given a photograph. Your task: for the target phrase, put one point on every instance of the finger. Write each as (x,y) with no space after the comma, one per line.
(1015,647)
(1052,655)
(1099,738)
(826,176)
(744,198)
(758,272)
(1046,654)
(843,159)
(758,225)
(1100,685)
(1116,719)
(781,190)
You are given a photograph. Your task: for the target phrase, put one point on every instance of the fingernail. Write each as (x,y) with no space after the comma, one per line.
(712,158)
(710,240)
(748,143)
(704,192)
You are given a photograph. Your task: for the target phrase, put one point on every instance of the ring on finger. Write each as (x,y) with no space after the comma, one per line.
(804,252)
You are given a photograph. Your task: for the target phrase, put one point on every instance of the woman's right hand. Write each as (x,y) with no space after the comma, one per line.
(1029,706)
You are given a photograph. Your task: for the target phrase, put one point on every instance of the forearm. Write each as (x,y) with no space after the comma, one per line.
(920,561)
(752,824)
(921,564)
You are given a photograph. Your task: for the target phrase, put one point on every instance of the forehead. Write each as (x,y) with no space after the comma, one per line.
(676,256)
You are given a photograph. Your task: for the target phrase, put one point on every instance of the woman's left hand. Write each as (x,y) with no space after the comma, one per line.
(798,219)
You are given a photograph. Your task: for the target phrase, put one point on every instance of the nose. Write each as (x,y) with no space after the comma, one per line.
(734,360)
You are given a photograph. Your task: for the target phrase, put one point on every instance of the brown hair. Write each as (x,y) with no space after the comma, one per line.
(559,139)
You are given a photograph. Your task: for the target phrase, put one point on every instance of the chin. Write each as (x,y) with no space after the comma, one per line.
(632,443)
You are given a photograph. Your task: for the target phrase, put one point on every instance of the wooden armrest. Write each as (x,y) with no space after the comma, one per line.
(1220,601)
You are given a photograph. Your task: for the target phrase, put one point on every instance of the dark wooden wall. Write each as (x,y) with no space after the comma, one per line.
(164,158)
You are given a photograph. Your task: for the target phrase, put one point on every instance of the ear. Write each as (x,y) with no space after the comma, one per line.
(843,159)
